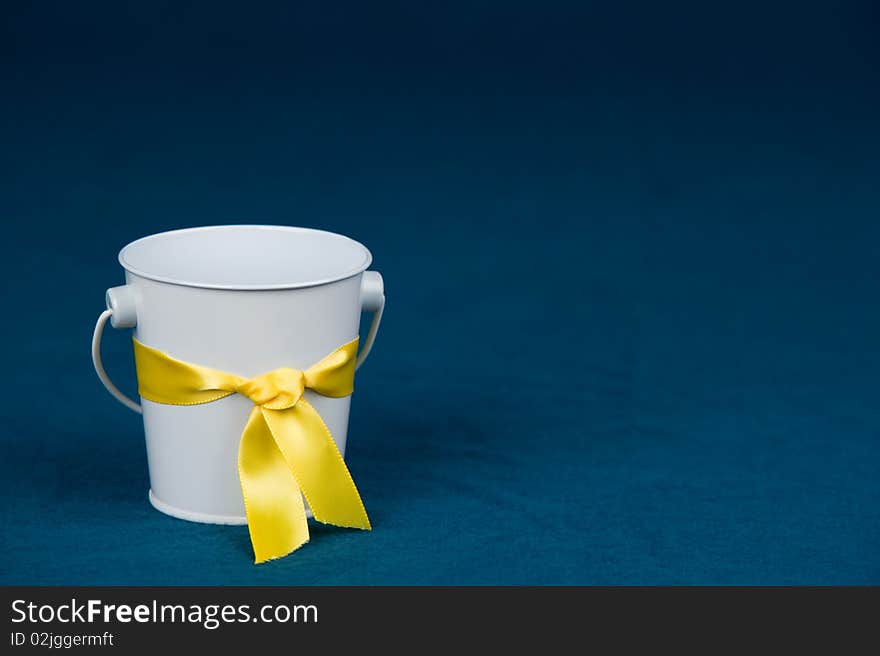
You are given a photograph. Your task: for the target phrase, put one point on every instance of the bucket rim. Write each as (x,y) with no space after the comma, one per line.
(348,273)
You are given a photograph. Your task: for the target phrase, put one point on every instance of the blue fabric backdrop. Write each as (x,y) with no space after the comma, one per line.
(655,228)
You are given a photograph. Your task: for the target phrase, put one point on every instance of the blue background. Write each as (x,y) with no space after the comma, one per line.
(631,258)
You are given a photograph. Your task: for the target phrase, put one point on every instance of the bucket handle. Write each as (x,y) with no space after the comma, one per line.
(99,365)
(372,300)
(121,313)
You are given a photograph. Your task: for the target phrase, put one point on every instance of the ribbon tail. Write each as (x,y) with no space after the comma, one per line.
(273,502)
(307,445)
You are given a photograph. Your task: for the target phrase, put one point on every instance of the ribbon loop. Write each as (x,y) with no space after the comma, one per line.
(286,451)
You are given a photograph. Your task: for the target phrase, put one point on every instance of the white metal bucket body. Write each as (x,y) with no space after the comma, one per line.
(274,319)
(193,450)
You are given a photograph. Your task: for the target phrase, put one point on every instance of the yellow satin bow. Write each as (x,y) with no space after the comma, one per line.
(286,451)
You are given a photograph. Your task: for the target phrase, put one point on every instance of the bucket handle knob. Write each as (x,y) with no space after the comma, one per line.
(372,300)
(122,313)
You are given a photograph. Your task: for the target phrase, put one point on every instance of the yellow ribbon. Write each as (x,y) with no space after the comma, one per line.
(286,451)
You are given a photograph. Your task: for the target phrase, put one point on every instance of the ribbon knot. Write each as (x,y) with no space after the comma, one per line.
(277,390)
(286,451)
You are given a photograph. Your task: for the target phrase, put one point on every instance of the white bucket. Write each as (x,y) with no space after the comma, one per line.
(246,300)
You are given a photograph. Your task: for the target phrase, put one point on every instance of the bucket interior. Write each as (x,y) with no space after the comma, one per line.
(245,257)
